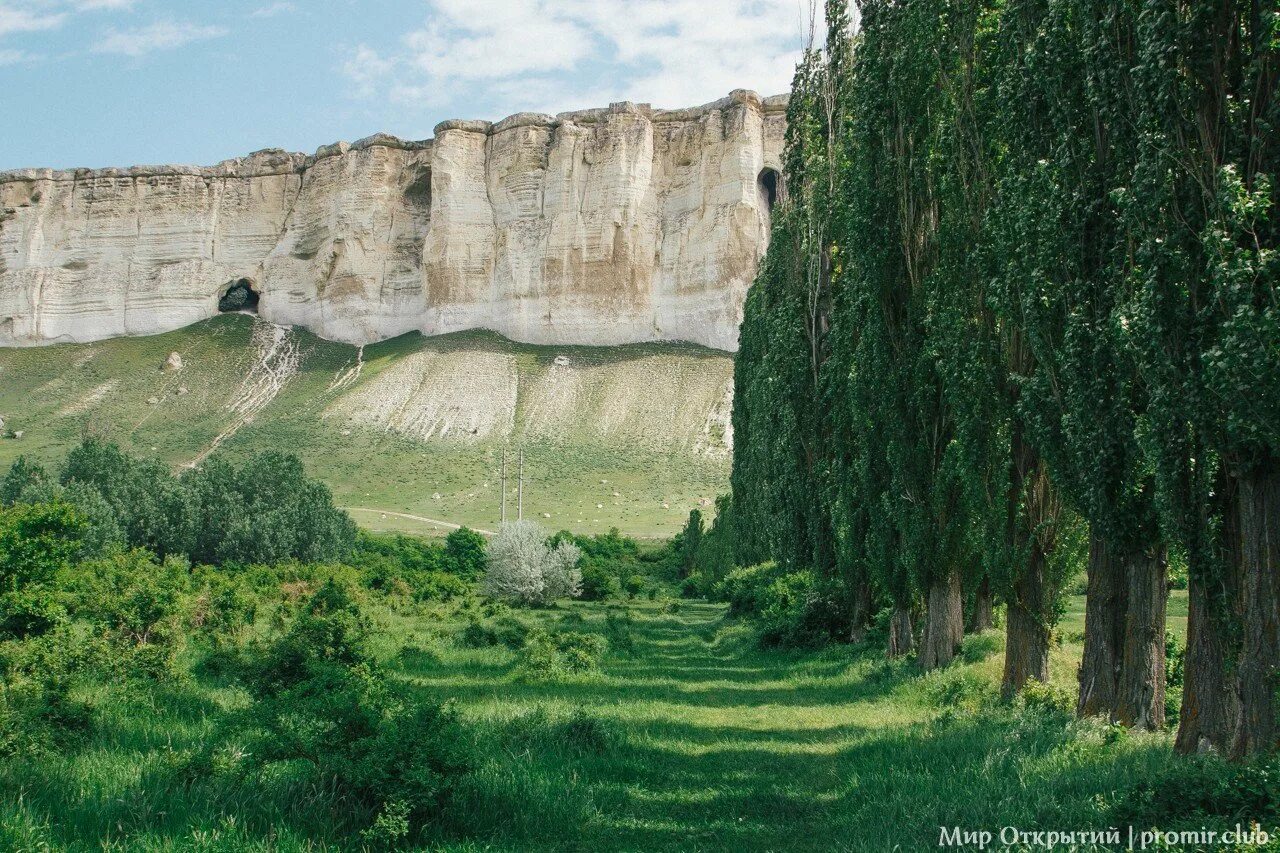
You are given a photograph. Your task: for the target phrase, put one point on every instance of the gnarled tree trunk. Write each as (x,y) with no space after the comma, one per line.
(1026,650)
(1104,617)
(944,621)
(1140,694)
(900,639)
(983,607)
(1259,502)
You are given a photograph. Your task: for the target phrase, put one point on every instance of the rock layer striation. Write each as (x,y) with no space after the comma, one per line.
(605,226)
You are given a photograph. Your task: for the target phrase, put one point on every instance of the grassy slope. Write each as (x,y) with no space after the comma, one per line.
(625,424)
(717,746)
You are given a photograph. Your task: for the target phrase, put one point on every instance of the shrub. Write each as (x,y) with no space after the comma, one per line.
(597,583)
(562,653)
(476,635)
(511,632)
(523,567)
(633,585)
(37,544)
(143,606)
(39,716)
(464,553)
(322,702)
(741,588)
(1194,789)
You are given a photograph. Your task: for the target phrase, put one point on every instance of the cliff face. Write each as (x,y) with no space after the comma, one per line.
(607,226)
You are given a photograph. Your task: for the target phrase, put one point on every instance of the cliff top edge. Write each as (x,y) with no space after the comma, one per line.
(276,161)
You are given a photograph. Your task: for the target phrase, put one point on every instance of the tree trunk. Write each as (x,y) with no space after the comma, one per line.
(1026,650)
(862,607)
(1104,618)
(1141,686)
(983,606)
(1259,502)
(944,621)
(1210,712)
(900,639)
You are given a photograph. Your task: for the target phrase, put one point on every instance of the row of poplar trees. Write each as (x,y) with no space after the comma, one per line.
(1023,280)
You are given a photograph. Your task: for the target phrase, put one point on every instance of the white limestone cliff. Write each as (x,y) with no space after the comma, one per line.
(604,226)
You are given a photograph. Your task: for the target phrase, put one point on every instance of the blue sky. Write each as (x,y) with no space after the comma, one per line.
(122,82)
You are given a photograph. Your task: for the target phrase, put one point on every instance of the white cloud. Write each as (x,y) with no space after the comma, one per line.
(15,57)
(366,69)
(273,10)
(100,5)
(15,20)
(28,16)
(562,54)
(162,35)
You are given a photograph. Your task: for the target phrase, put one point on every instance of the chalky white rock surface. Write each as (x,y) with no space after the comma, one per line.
(604,226)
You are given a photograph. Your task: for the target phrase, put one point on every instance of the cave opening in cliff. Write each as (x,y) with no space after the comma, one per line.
(239,296)
(767,183)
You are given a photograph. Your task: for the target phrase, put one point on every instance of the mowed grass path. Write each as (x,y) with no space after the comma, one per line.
(721,746)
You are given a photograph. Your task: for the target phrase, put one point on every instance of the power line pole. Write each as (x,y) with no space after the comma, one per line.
(504,485)
(520,490)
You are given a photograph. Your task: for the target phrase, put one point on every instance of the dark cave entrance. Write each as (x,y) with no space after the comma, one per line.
(239,296)
(768,185)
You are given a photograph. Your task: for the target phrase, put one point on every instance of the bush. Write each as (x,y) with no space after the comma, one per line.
(39,716)
(511,632)
(464,553)
(37,544)
(522,566)
(476,635)
(742,588)
(562,653)
(321,702)
(633,586)
(1204,787)
(142,605)
(598,584)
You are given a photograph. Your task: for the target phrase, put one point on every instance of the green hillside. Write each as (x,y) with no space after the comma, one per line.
(632,437)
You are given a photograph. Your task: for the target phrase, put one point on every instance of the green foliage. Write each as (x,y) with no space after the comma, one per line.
(141,603)
(1201,789)
(562,653)
(598,583)
(37,543)
(23,475)
(464,554)
(322,700)
(690,541)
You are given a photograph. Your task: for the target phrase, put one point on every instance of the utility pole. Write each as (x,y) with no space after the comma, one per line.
(520,490)
(504,485)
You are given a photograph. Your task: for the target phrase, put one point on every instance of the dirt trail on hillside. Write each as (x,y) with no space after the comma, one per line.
(448,524)
(276,363)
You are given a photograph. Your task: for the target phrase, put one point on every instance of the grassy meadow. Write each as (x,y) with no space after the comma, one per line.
(407,433)
(689,737)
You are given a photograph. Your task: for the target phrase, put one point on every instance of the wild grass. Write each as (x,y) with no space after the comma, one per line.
(692,739)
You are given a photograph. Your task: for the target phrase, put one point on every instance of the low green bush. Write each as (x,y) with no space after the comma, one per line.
(598,583)
(561,653)
(1204,787)
(323,707)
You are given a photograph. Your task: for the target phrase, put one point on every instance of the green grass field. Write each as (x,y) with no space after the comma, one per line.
(632,437)
(708,743)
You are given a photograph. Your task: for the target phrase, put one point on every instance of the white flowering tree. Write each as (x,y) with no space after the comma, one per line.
(524,568)
(561,572)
